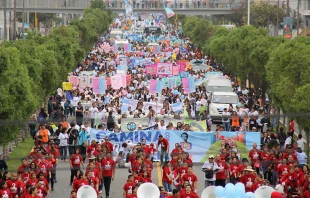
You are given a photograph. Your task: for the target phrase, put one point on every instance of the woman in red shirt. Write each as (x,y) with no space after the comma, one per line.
(167,177)
(134,192)
(145,177)
(4,190)
(33,193)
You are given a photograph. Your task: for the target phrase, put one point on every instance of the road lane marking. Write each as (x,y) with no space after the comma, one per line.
(160,182)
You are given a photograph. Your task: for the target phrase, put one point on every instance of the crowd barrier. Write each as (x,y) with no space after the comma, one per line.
(195,143)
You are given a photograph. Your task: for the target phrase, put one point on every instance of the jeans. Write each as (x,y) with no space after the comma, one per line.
(162,153)
(92,123)
(71,150)
(101,184)
(107,183)
(74,170)
(275,177)
(226,126)
(209,183)
(220,182)
(63,152)
(167,187)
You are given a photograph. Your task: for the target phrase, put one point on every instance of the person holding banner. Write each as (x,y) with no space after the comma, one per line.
(164,151)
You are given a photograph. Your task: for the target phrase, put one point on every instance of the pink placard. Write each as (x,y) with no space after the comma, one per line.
(153,86)
(128,79)
(182,66)
(74,80)
(185,85)
(96,85)
(175,70)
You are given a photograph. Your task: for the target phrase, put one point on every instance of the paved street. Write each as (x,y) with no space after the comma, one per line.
(62,187)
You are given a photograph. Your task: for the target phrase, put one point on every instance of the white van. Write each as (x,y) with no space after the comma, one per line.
(220,100)
(114,33)
(220,84)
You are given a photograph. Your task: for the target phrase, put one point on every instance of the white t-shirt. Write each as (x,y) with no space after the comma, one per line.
(92,111)
(198,105)
(300,144)
(63,137)
(209,165)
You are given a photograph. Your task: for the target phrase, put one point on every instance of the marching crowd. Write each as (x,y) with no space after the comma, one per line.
(279,161)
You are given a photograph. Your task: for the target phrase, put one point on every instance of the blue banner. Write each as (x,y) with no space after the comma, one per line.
(247,138)
(191,83)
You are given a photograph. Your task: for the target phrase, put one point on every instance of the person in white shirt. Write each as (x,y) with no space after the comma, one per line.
(226,119)
(300,142)
(63,144)
(288,141)
(93,110)
(198,106)
(210,168)
(162,125)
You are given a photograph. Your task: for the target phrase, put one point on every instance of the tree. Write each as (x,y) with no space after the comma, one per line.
(288,74)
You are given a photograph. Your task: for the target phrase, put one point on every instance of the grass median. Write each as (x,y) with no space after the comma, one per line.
(21,151)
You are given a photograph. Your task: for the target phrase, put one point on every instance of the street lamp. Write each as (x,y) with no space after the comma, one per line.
(249,9)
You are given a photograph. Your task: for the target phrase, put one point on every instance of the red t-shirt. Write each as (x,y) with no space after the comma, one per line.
(42,192)
(5,193)
(78,183)
(30,196)
(166,171)
(91,149)
(163,143)
(44,183)
(128,188)
(109,145)
(136,166)
(137,179)
(132,196)
(76,160)
(132,158)
(21,169)
(253,155)
(190,178)
(223,167)
(248,181)
(13,186)
(190,195)
(45,167)
(32,182)
(107,167)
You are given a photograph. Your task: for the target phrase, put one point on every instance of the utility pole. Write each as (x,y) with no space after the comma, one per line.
(249,9)
(23,18)
(277,33)
(5,20)
(288,7)
(297,17)
(14,23)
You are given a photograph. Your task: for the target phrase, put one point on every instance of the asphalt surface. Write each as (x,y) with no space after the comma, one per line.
(62,188)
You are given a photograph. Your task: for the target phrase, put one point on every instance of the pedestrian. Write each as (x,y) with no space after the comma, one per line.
(164,151)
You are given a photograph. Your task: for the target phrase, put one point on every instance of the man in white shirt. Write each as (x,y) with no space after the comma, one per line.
(162,125)
(93,110)
(210,168)
(198,106)
(226,119)
(300,142)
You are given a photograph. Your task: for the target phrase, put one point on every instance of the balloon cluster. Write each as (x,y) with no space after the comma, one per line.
(232,191)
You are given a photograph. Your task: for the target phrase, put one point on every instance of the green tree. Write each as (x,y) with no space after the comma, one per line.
(288,74)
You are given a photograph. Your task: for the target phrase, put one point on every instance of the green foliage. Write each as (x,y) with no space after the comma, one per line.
(32,69)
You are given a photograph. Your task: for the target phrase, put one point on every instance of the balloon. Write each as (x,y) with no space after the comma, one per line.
(240,189)
(223,197)
(230,190)
(249,195)
(219,191)
(239,184)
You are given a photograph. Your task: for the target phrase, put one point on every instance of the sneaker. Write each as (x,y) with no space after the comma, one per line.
(100,191)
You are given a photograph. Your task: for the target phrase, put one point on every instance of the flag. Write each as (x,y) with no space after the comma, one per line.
(177,107)
(69,95)
(191,83)
(127,47)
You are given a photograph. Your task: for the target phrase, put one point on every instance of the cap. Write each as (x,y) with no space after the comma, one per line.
(82,127)
(254,128)
(211,156)
(276,194)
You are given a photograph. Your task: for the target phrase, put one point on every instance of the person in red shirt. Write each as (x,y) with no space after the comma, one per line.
(33,193)
(149,165)
(43,181)
(176,150)
(13,184)
(174,161)
(248,179)
(108,172)
(292,126)
(254,156)
(26,192)
(33,180)
(233,169)
(191,178)
(290,180)
(145,177)
(45,167)
(186,159)
(167,179)
(306,194)
(76,160)
(42,190)
(108,144)
(164,144)
(136,165)
(136,177)
(91,148)
(128,187)
(4,190)
(92,179)
(175,194)
(223,173)
(79,181)
(189,193)
(22,168)
(134,192)
(258,182)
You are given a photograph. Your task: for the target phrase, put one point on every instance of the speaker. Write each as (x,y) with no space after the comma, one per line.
(208,192)
(263,192)
(148,190)
(86,191)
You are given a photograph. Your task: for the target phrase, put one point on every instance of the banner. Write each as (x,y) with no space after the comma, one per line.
(172,82)
(116,82)
(99,85)
(191,83)
(184,74)
(185,85)
(66,86)
(195,125)
(169,12)
(151,69)
(127,47)
(182,65)
(287,27)
(159,86)
(177,107)
(86,81)
(164,68)
(175,70)
(195,143)
(247,138)
(156,49)
(129,103)
(74,80)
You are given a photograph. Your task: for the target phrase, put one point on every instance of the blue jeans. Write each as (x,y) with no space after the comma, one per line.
(162,153)
(63,152)
(167,187)
(209,183)
(226,126)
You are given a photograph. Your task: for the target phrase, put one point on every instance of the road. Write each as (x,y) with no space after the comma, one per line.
(62,188)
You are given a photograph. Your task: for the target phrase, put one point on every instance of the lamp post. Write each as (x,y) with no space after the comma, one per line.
(249,10)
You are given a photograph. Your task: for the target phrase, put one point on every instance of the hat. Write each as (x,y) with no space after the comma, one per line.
(249,168)
(254,128)
(83,127)
(211,156)
(276,194)
(140,126)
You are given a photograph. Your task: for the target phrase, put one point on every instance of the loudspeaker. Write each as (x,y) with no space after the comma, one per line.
(208,192)
(263,192)
(86,191)
(148,190)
